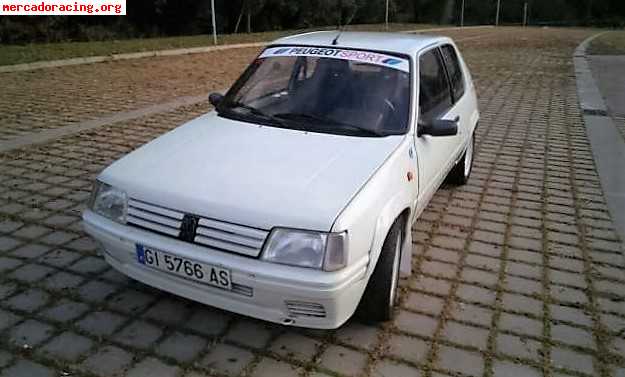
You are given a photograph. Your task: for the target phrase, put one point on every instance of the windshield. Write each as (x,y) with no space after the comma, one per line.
(324,90)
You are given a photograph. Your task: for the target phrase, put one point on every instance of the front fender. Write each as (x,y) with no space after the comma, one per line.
(372,212)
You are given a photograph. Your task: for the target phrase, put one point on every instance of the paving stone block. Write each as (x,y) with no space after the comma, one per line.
(84,244)
(438,269)
(7,264)
(150,367)
(358,335)
(89,266)
(249,333)
(424,303)
(30,251)
(390,368)
(483,262)
(7,289)
(415,323)
(182,347)
(294,345)
(431,285)
(227,359)
(408,348)
(523,304)
(130,301)
(108,361)
(8,243)
(67,346)
(459,360)
(8,226)
(31,231)
(139,334)
(62,281)
(100,323)
(29,300)
(96,291)
(465,335)
(475,276)
(472,293)
(31,273)
(30,333)
(572,335)
(508,369)
(343,360)
(65,310)
(471,313)
(272,368)
(520,324)
(57,238)
(207,321)
(572,360)
(60,257)
(518,346)
(7,319)
(27,368)
(170,310)
(568,295)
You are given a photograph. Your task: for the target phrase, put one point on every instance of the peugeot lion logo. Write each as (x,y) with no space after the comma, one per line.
(188,227)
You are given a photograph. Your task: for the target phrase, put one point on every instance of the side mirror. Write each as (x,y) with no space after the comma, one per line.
(215,98)
(439,127)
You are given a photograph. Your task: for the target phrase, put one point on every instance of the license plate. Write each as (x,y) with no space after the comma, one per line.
(205,273)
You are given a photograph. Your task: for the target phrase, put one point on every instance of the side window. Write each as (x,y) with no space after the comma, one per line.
(454,70)
(434,90)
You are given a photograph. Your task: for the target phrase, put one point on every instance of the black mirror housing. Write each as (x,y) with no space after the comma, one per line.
(215,99)
(439,127)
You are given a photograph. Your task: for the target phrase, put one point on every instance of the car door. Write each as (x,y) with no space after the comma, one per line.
(435,154)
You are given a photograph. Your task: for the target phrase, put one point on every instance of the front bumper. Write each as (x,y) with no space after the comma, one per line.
(262,289)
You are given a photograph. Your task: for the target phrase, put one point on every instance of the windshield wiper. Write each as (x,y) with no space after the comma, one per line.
(321,119)
(253,110)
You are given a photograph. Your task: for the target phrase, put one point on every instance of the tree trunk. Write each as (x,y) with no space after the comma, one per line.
(236,27)
(249,20)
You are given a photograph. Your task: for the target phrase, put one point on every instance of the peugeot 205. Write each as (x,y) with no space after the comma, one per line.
(293,200)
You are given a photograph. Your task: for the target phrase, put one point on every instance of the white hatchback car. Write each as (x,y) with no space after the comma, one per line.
(293,201)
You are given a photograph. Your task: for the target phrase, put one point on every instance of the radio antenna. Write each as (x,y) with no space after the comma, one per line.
(335,41)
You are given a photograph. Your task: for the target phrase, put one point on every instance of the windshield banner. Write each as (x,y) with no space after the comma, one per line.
(338,53)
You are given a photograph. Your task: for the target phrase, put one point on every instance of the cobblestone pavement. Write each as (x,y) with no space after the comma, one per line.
(518,273)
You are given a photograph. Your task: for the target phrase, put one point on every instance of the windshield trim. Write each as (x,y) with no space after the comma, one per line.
(250,69)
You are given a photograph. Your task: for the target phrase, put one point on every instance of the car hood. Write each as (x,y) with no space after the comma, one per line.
(252,175)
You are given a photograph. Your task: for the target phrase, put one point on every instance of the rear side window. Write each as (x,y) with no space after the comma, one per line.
(434,91)
(454,71)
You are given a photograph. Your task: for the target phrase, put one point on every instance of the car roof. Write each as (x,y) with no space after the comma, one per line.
(402,43)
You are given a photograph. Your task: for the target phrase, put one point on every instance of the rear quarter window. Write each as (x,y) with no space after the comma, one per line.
(453,69)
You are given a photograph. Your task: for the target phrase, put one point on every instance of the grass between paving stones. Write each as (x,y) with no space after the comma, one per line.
(16,54)
(611,43)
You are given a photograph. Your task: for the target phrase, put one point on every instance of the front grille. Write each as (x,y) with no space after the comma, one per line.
(305,309)
(225,236)
(211,233)
(156,218)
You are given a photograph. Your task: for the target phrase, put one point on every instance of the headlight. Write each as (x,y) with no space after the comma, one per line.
(109,202)
(307,249)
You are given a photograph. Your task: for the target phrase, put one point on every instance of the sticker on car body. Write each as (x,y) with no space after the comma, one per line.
(360,56)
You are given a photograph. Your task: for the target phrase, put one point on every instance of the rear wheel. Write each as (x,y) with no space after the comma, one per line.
(381,294)
(460,173)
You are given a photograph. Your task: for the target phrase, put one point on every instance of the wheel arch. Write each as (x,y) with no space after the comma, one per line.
(394,211)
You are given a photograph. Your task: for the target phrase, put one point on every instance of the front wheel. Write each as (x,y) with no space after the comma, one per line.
(460,173)
(381,294)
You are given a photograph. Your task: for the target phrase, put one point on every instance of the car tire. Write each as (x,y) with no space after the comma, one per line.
(460,173)
(380,296)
